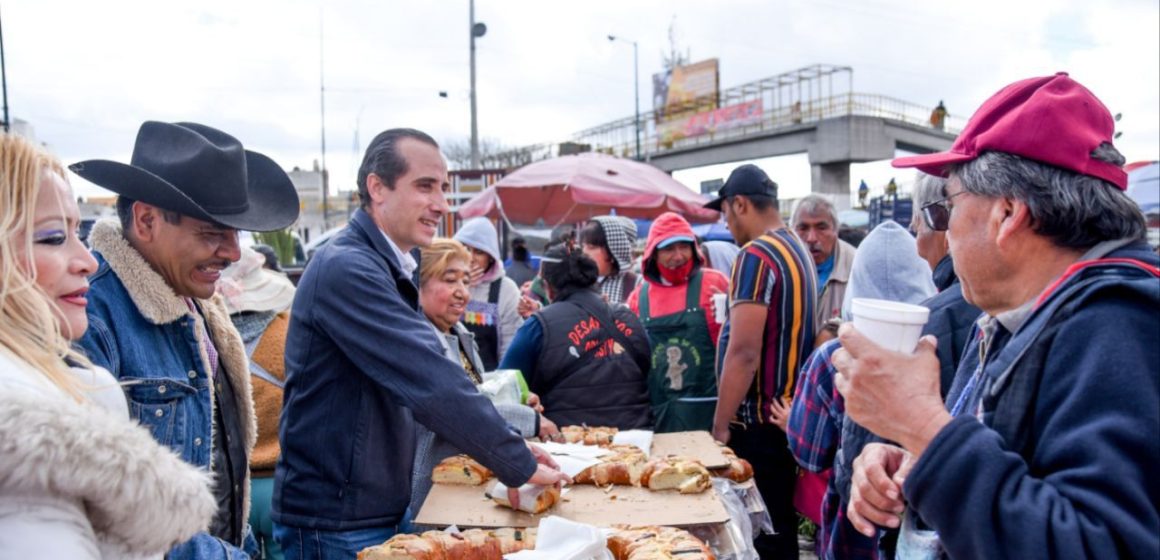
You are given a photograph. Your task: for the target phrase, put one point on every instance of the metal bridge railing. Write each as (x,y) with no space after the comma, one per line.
(619,137)
(798,98)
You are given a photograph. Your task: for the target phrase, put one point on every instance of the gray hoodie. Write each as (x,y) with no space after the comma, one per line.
(481,234)
(887,266)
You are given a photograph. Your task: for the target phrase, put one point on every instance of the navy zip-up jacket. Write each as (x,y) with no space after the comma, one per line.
(1063,462)
(362,365)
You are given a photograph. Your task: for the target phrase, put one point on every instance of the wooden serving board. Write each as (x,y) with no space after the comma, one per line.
(695,445)
(466,506)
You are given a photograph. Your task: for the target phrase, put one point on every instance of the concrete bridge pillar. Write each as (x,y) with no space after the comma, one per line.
(832,179)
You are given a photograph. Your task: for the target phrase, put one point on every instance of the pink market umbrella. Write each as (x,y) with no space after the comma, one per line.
(575,188)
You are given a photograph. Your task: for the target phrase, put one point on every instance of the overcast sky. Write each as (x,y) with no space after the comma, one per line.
(86,74)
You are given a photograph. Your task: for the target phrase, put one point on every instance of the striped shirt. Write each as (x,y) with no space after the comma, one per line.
(777,271)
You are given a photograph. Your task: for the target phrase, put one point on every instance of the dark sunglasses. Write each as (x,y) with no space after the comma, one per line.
(937,214)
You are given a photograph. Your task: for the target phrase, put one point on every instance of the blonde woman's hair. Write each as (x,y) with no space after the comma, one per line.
(29,328)
(437,256)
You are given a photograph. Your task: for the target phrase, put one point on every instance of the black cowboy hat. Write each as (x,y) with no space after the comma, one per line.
(200,172)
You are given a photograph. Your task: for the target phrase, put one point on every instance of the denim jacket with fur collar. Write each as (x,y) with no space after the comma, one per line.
(147,337)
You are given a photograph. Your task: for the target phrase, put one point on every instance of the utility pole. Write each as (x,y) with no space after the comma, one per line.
(4,79)
(635,86)
(636,95)
(322,121)
(474,30)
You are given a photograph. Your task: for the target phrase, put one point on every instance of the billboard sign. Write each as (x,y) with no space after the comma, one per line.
(685,88)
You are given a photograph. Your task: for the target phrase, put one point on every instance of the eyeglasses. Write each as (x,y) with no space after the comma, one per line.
(937,214)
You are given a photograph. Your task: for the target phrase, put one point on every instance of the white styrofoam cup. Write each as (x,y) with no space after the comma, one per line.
(890,324)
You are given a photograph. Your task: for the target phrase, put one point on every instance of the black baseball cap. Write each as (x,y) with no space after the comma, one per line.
(748,179)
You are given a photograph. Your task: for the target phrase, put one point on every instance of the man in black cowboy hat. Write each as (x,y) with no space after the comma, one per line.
(154,319)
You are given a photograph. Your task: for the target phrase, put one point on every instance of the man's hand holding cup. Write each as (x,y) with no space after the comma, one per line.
(888,390)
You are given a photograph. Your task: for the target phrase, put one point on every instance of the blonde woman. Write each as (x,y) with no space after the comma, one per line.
(77,478)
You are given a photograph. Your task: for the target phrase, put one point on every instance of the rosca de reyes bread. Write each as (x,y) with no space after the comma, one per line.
(622,465)
(625,543)
(404,547)
(738,470)
(685,475)
(460,469)
(514,540)
(473,544)
(589,435)
(468,545)
(657,543)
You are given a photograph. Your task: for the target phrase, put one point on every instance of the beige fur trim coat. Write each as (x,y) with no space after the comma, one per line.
(85,482)
(158,303)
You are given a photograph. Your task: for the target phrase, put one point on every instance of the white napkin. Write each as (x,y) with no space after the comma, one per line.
(640,438)
(573,466)
(560,539)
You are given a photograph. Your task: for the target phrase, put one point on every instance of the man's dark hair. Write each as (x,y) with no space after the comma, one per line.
(520,253)
(271,257)
(852,235)
(760,202)
(593,234)
(1073,210)
(125,214)
(383,159)
(561,234)
(574,271)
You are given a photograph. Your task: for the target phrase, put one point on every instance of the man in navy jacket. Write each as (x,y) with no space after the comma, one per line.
(1046,446)
(362,367)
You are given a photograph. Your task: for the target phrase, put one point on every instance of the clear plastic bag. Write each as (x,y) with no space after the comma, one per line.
(505,386)
(915,543)
(758,514)
(732,540)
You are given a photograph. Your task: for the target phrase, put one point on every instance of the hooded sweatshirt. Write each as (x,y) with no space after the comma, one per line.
(721,255)
(479,233)
(666,298)
(892,270)
(620,233)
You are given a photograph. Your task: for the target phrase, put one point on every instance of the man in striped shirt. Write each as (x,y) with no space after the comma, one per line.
(768,334)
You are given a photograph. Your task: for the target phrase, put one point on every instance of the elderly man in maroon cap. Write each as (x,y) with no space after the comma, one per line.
(1046,446)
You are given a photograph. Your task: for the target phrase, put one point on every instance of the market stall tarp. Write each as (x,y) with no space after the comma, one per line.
(575,188)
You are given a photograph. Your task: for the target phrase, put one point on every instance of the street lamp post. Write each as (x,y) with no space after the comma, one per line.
(475,30)
(635,86)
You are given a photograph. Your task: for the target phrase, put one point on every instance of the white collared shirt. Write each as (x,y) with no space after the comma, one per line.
(405,259)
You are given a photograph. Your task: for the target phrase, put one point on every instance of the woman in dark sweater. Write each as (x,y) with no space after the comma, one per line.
(587,360)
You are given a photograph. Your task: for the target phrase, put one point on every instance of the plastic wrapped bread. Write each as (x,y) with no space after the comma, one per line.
(533,498)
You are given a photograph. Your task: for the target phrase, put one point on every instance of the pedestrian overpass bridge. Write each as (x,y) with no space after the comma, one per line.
(791,113)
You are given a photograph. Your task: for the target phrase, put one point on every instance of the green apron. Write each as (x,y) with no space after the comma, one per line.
(681,384)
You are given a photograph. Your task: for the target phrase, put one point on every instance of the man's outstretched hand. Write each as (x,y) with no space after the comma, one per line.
(892,394)
(547,474)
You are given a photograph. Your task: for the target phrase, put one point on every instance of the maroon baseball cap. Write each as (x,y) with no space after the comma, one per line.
(1052,120)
